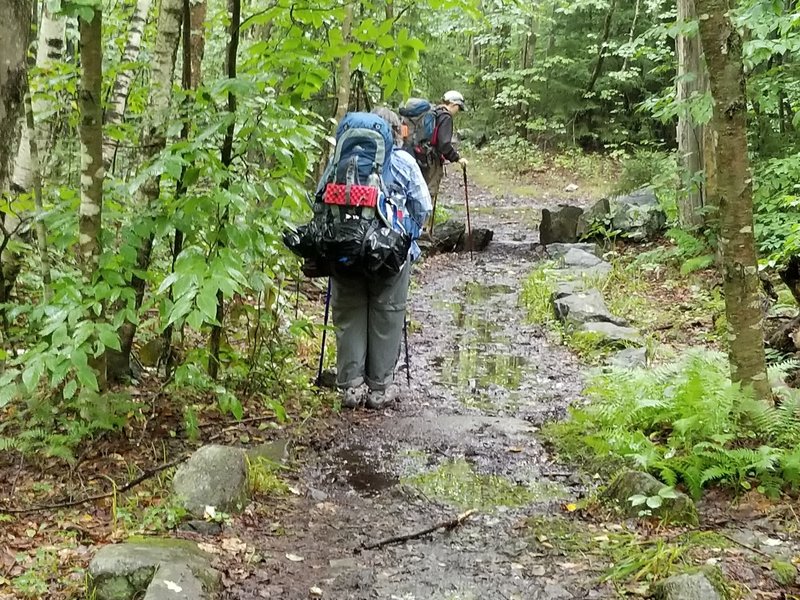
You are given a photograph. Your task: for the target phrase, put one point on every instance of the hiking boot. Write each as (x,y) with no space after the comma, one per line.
(378,399)
(353,397)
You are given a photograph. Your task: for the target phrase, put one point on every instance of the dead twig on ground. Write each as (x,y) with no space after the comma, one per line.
(743,545)
(448,525)
(115,490)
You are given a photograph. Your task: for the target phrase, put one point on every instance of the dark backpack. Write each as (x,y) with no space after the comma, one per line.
(421,119)
(355,229)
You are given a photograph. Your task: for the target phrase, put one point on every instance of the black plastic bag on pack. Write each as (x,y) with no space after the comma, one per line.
(304,241)
(385,251)
(342,244)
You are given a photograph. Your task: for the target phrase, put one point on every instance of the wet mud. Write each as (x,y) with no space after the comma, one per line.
(463,436)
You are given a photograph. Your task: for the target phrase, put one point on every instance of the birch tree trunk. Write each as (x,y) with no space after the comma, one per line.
(91,134)
(49,50)
(15,15)
(122,85)
(692,81)
(197,40)
(734,195)
(90,217)
(153,141)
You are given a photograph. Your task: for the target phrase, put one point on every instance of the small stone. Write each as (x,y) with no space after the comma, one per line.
(318,495)
(695,586)
(629,358)
(537,571)
(572,187)
(558,250)
(575,257)
(342,563)
(679,510)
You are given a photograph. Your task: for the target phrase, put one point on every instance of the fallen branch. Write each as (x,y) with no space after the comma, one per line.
(399,539)
(730,538)
(115,490)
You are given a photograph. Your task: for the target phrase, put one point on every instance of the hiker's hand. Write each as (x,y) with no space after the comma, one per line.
(463,162)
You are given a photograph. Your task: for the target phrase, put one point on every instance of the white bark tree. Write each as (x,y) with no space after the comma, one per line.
(15,15)
(122,85)
(49,50)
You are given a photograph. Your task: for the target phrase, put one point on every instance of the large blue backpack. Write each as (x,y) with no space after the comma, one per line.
(420,119)
(356,228)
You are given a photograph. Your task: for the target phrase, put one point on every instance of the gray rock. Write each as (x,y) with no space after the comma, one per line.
(450,236)
(558,250)
(613,334)
(694,586)
(597,212)
(596,273)
(560,225)
(201,527)
(481,237)
(638,215)
(213,476)
(567,288)
(582,307)
(275,451)
(629,358)
(680,510)
(125,571)
(575,257)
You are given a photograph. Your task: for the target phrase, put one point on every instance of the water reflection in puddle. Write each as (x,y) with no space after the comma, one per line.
(363,476)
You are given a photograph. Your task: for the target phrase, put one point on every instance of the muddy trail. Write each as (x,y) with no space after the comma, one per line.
(462,437)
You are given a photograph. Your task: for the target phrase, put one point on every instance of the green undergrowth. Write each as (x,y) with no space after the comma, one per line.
(686,423)
(629,557)
(457,483)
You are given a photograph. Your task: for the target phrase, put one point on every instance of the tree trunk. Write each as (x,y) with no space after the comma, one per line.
(36,176)
(632,31)
(91,134)
(741,284)
(692,80)
(15,15)
(197,40)
(603,50)
(153,141)
(49,50)
(90,218)
(122,85)
(343,72)
(226,157)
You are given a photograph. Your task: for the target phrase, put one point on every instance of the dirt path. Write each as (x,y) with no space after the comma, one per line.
(463,437)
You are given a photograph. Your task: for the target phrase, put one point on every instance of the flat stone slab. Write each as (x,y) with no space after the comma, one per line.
(596,273)
(213,476)
(156,568)
(629,358)
(558,249)
(576,257)
(583,307)
(614,334)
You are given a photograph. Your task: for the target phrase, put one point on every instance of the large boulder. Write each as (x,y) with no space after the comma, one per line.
(686,586)
(582,307)
(679,510)
(213,476)
(451,235)
(638,215)
(597,212)
(560,225)
(155,569)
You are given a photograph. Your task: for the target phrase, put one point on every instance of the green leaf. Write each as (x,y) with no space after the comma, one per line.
(655,501)
(637,500)
(70,388)
(207,302)
(109,338)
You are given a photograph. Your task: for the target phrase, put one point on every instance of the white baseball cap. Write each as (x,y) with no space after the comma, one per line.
(454,97)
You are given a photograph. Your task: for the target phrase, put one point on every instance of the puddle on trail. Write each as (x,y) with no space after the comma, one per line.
(476,367)
(363,476)
(479,292)
(457,483)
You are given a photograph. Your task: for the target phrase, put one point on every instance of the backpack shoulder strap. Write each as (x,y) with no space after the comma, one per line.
(440,114)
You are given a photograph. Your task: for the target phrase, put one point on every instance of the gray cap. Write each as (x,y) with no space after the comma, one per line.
(454,97)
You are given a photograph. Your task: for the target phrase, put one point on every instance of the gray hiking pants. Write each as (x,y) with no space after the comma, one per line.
(433,177)
(368,315)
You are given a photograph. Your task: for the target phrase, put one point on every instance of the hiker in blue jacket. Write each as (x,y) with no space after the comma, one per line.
(369,313)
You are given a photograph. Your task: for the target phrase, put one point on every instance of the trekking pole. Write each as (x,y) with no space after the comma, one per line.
(405,341)
(466,203)
(324,333)
(433,214)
